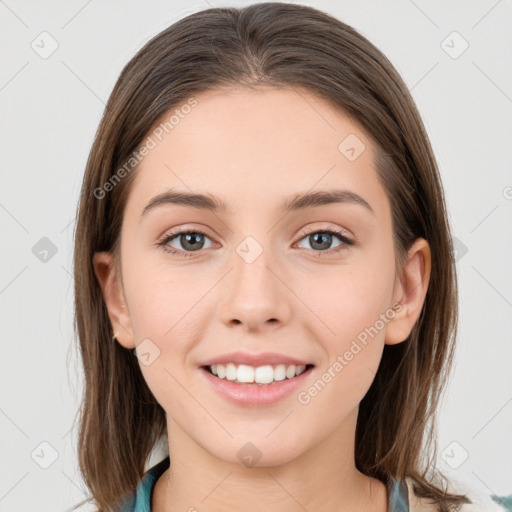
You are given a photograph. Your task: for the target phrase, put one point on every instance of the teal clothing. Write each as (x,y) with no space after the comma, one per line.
(140,500)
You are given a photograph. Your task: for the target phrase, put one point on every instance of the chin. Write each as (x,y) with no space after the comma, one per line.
(259,450)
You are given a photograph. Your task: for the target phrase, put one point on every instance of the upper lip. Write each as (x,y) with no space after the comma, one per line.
(259,359)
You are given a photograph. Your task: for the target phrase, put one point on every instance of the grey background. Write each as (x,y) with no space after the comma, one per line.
(49,111)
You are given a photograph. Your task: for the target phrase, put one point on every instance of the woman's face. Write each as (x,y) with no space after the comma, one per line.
(258,277)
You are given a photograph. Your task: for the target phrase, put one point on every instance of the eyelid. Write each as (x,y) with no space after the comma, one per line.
(199,228)
(343,234)
(308,231)
(346,241)
(202,230)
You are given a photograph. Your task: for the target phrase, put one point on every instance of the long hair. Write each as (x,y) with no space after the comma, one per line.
(283,46)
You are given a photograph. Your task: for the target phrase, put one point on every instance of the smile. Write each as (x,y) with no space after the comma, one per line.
(256,386)
(263,375)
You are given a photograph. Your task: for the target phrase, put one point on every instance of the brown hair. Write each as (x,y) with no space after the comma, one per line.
(278,45)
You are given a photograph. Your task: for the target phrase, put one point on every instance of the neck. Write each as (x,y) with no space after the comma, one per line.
(322,478)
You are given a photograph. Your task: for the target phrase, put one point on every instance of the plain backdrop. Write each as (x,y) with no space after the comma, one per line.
(58,64)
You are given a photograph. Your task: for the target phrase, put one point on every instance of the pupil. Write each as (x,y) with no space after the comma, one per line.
(191,240)
(325,238)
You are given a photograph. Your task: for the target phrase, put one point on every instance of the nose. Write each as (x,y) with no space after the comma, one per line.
(254,295)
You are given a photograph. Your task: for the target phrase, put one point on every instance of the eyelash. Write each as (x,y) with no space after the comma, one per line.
(166,248)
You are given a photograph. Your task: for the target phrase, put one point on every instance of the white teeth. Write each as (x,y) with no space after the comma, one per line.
(299,369)
(280,372)
(266,374)
(290,371)
(231,371)
(245,373)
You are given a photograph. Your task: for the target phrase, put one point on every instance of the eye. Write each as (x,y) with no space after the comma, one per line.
(189,240)
(320,240)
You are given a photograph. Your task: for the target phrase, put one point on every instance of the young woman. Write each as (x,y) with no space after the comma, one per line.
(264,276)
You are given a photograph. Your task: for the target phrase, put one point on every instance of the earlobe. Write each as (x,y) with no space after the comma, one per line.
(105,271)
(410,292)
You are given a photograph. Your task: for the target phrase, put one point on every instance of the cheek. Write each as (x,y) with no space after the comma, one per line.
(351,333)
(352,302)
(163,299)
(353,309)
(167,312)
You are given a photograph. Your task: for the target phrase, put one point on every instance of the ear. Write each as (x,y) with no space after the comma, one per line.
(120,320)
(410,292)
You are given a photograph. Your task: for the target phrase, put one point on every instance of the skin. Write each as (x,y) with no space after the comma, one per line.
(254,149)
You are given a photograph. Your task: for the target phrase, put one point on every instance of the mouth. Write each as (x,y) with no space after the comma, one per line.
(265,375)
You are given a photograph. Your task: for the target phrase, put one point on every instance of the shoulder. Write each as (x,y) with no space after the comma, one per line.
(140,499)
(481,502)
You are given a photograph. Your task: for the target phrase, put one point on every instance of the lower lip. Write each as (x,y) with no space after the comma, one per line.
(254,395)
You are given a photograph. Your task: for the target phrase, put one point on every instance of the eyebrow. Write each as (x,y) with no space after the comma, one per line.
(299,201)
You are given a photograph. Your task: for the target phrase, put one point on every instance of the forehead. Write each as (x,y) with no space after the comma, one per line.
(256,147)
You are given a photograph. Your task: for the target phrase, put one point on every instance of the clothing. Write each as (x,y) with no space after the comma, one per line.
(140,500)
(401,496)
